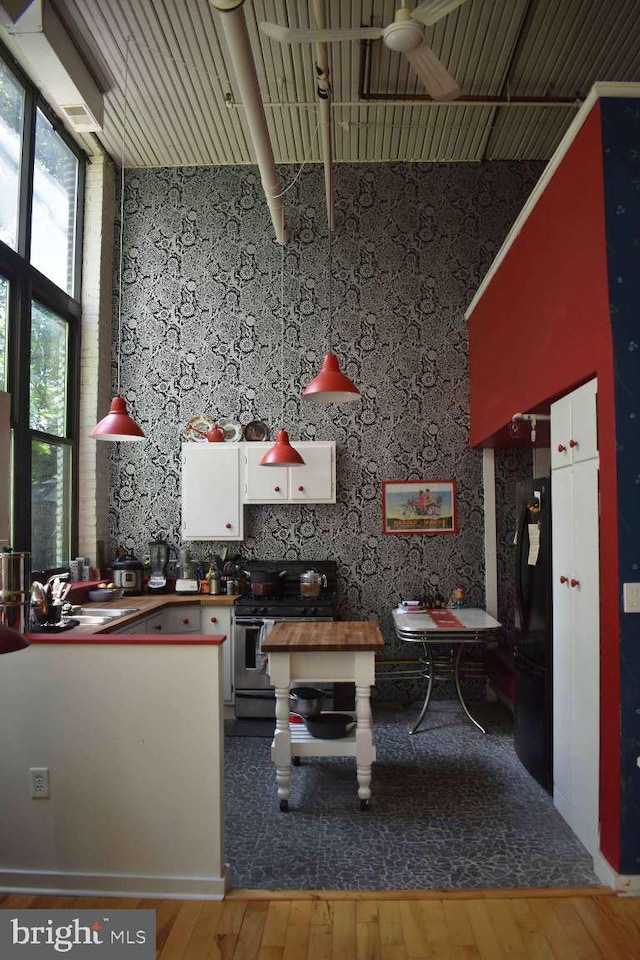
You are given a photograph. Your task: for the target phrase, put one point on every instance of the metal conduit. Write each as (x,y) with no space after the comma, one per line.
(234,27)
(324,94)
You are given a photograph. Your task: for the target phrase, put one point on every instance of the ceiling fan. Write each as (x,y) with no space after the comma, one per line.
(405,34)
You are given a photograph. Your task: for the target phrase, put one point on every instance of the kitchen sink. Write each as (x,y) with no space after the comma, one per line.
(90,621)
(102,613)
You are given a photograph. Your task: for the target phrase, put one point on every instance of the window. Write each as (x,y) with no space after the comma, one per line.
(53,211)
(11,123)
(41,181)
(4,310)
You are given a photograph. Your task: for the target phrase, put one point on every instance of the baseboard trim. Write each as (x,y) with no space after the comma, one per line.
(112,885)
(620,882)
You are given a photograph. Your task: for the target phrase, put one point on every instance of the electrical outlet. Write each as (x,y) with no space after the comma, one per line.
(631,597)
(39,783)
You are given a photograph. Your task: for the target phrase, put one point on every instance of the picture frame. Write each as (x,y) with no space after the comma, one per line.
(419,506)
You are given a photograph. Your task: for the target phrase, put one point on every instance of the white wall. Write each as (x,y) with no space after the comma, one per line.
(132,739)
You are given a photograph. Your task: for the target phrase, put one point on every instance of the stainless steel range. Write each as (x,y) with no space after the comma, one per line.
(277,585)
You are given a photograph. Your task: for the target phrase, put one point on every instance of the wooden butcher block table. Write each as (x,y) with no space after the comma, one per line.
(316,653)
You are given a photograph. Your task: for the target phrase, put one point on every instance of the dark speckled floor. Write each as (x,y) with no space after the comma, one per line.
(451,808)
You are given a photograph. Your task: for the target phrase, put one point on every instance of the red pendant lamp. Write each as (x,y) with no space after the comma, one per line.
(118,424)
(282,454)
(331,385)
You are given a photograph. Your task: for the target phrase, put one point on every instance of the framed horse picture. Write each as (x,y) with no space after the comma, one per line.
(419,506)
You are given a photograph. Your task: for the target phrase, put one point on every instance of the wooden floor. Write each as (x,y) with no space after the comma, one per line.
(536,924)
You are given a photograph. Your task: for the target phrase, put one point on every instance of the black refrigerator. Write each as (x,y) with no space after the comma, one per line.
(533,640)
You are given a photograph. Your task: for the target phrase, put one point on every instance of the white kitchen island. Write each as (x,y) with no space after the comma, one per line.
(323,652)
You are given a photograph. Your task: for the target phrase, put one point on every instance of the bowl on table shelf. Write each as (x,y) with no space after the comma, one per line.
(104,594)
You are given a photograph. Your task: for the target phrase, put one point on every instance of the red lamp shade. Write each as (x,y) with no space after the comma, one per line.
(331,386)
(117,425)
(10,641)
(282,454)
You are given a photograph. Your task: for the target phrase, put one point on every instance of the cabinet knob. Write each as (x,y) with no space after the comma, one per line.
(277,489)
(564,579)
(562,448)
(574,583)
(213,619)
(186,620)
(158,626)
(300,488)
(228,526)
(573,443)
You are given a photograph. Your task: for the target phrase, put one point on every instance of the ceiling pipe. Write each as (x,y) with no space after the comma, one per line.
(234,27)
(324,95)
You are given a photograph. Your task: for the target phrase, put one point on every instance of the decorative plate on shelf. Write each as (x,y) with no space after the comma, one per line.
(198,427)
(232,430)
(256,430)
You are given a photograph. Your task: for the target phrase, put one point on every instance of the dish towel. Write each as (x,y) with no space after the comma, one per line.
(262,659)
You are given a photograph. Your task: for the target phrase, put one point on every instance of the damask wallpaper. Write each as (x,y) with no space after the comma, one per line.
(216,318)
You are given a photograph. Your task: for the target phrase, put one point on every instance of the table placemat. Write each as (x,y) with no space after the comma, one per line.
(444,618)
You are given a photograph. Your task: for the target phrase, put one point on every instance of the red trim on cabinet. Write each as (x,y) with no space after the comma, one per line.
(133,639)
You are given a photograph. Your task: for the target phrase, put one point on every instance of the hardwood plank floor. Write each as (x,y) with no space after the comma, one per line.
(590,923)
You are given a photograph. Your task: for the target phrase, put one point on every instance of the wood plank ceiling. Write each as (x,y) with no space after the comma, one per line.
(183,107)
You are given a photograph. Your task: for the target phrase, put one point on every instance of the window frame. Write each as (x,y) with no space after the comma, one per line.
(26,285)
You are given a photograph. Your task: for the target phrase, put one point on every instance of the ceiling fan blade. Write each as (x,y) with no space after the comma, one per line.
(431,11)
(436,78)
(286,35)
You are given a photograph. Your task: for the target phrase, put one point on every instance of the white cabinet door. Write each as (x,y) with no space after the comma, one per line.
(184,618)
(263,484)
(211,506)
(585,615)
(576,625)
(574,433)
(314,482)
(560,433)
(220,620)
(583,441)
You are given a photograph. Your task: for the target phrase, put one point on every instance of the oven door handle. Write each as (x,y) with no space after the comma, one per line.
(248,622)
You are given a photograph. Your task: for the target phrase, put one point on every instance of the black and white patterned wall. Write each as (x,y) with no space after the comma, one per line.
(202,322)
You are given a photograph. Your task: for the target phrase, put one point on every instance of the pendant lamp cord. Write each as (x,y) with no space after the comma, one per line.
(282,323)
(121,230)
(330,287)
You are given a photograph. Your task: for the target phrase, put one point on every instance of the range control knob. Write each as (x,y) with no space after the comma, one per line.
(263,611)
(314,612)
(253,610)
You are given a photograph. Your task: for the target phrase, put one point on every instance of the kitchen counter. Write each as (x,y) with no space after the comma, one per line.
(130,727)
(143,606)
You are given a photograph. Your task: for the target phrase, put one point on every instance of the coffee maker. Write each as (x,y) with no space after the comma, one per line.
(159,560)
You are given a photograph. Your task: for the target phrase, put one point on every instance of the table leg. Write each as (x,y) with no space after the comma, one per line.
(281,749)
(429,661)
(456,677)
(364,744)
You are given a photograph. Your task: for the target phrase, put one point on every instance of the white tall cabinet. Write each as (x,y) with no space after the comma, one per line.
(576,611)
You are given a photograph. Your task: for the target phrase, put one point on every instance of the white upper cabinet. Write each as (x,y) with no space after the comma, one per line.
(315,482)
(211,505)
(574,435)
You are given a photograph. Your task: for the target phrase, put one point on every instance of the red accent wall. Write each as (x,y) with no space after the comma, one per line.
(540,329)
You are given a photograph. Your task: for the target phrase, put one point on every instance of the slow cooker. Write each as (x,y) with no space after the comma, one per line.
(127,574)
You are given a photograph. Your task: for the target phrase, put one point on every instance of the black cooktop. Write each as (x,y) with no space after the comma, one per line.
(288,601)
